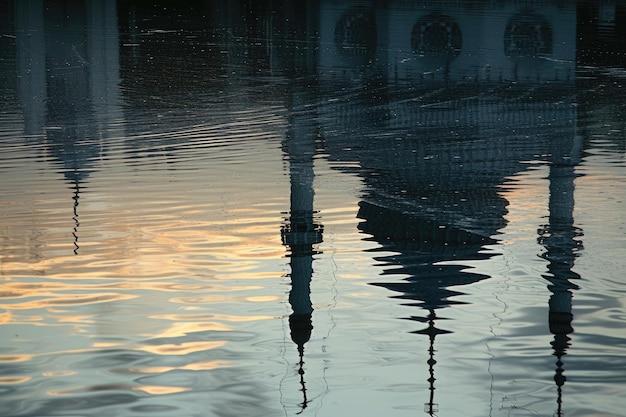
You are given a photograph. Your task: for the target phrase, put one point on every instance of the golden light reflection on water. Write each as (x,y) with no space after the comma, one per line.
(221,317)
(148,389)
(263,298)
(204,299)
(8,380)
(15,358)
(160,389)
(183,348)
(527,195)
(100,345)
(6,317)
(153,246)
(48,300)
(181,329)
(195,366)
(58,373)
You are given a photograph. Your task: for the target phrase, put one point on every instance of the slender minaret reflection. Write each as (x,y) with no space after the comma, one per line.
(301,232)
(559,237)
(431,407)
(68,73)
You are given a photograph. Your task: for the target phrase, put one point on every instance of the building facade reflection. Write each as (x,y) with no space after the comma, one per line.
(413,41)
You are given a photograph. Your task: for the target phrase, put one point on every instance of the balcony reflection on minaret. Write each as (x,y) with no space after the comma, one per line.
(300,232)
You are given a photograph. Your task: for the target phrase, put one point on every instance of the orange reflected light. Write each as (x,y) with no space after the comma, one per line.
(58,373)
(162,246)
(196,366)
(6,317)
(223,317)
(53,299)
(15,358)
(181,348)
(527,195)
(14,379)
(184,328)
(100,345)
(263,298)
(160,389)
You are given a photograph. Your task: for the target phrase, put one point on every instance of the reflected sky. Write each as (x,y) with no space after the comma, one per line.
(265,208)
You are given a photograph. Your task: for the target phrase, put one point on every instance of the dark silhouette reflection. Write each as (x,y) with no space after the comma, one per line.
(561,240)
(420,246)
(436,133)
(431,407)
(68,76)
(302,230)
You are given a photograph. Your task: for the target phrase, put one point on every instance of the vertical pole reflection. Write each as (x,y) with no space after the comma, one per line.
(559,237)
(301,231)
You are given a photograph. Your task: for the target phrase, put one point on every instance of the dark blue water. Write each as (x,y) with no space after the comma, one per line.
(266,208)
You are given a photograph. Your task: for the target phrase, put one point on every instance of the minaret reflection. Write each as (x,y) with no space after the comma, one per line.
(301,230)
(560,239)
(68,72)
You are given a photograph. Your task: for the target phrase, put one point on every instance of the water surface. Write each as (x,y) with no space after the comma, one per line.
(330,208)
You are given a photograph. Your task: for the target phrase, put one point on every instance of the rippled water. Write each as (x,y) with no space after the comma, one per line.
(251,209)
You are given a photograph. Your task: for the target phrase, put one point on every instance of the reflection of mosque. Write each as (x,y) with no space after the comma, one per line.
(447,104)
(437,107)
(68,76)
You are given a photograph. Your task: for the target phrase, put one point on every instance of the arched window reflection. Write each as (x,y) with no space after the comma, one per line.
(527,35)
(436,35)
(356,35)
